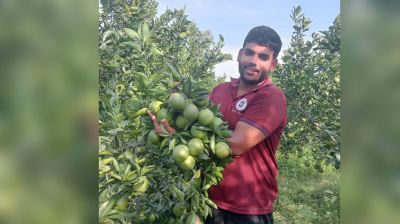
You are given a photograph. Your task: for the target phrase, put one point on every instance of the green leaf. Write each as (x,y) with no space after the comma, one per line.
(187,87)
(107,34)
(175,74)
(131,33)
(134,45)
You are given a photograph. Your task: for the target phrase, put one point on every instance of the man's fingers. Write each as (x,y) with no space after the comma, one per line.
(157,128)
(167,126)
(153,118)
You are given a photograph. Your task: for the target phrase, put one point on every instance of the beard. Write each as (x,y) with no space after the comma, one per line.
(247,80)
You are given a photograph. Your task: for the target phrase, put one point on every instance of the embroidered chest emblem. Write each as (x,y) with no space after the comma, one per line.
(241,104)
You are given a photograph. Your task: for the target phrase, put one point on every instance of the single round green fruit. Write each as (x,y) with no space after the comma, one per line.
(151,217)
(179,209)
(164,114)
(180,153)
(217,122)
(188,164)
(155,106)
(197,133)
(176,101)
(182,35)
(141,185)
(154,138)
(193,219)
(122,203)
(195,146)
(225,133)
(181,122)
(206,117)
(191,112)
(222,150)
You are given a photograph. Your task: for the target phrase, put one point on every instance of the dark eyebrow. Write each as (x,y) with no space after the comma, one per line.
(248,50)
(264,55)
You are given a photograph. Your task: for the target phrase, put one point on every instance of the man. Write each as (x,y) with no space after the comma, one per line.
(256,110)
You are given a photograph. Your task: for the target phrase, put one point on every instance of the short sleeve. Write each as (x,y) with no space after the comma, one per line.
(267,112)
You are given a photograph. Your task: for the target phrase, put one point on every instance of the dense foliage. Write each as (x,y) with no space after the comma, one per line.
(310,79)
(144,58)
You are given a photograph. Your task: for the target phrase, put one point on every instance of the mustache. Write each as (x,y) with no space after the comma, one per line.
(251,67)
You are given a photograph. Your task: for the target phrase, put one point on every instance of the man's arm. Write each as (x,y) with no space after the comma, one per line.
(244,137)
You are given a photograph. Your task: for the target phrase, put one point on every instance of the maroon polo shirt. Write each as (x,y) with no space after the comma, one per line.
(249,184)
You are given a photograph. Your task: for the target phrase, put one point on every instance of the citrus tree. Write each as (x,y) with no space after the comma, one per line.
(145,61)
(310,78)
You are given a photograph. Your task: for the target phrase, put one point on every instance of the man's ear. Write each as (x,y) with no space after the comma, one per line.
(240,53)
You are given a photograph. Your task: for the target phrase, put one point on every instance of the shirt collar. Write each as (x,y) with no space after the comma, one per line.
(268,81)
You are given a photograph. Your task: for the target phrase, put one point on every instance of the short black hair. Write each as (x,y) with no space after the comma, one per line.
(265,36)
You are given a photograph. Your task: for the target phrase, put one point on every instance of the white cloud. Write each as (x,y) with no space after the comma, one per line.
(230,68)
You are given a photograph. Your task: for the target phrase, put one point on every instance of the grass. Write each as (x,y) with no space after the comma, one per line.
(305,194)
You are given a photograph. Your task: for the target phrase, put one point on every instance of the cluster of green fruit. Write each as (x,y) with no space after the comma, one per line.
(198,126)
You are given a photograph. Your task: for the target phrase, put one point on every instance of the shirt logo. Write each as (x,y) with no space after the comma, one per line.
(241,104)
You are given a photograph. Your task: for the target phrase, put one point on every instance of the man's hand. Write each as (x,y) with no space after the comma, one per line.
(164,128)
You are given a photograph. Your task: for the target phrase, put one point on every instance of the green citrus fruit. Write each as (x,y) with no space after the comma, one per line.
(182,35)
(206,117)
(197,133)
(154,138)
(226,133)
(179,209)
(181,122)
(195,146)
(180,153)
(193,219)
(122,203)
(164,114)
(222,150)
(188,163)
(191,112)
(217,122)
(141,185)
(155,106)
(151,217)
(176,101)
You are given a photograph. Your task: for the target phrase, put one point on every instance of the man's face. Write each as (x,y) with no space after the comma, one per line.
(255,63)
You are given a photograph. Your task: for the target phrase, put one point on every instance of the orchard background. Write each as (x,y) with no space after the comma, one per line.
(138,48)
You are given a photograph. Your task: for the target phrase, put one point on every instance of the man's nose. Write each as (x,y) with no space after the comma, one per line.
(251,63)
(253,60)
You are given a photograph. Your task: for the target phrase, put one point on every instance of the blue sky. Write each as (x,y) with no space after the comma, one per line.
(233,19)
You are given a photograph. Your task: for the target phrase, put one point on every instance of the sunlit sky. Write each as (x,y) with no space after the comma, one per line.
(233,19)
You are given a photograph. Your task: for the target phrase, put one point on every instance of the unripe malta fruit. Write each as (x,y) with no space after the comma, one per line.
(164,114)
(142,185)
(180,153)
(122,203)
(176,101)
(206,117)
(216,123)
(181,122)
(193,219)
(154,138)
(191,112)
(155,106)
(188,163)
(179,209)
(222,150)
(195,146)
